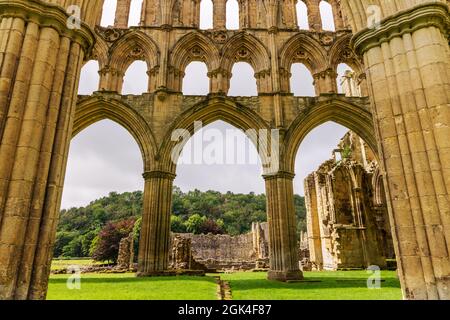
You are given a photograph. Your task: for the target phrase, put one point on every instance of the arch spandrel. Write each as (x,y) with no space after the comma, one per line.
(351,114)
(133,46)
(341,52)
(244,47)
(194,46)
(96,108)
(303,48)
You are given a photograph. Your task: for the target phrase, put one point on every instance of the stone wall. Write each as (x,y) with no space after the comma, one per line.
(247,251)
(348,224)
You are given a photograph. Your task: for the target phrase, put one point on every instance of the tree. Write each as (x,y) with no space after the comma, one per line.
(177,224)
(194,223)
(107,247)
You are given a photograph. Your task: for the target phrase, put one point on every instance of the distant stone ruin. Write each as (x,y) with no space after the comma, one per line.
(221,252)
(347,220)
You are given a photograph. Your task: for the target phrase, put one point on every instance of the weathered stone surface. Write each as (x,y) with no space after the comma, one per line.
(346,206)
(222,252)
(401,49)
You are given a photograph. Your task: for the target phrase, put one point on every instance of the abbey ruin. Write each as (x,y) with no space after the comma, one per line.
(399,51)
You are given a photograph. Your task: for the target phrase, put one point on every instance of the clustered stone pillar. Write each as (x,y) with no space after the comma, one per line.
(313,223)
(407,60)
(325,81)
(219,14)
(314,18)
(154,242)
(284,263)
(122,13)
(41,62)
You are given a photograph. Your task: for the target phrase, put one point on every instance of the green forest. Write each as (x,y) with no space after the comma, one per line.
(95,230)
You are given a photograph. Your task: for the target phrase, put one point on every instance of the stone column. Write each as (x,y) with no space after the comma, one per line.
(313,224)
(325,81)
(314,18)
(337,15)
(407,60)
(284,264)
(219,14)
(122,13)
(41,63)
(155,233)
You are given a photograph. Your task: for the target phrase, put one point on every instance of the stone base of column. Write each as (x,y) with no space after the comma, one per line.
(284,275)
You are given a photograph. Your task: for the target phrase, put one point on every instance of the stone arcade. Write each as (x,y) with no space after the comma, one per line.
(402,64)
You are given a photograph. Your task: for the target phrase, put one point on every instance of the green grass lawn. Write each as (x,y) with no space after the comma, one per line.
(342,285)
(128,287)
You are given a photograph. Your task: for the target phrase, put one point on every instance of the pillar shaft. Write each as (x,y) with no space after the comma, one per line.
(314,18)
(38,89)
(313,223)
(155,232)
(122,13)
(410,90)
(284,263)
(219,14)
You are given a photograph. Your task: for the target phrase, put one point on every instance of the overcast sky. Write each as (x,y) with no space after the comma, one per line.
(105,158)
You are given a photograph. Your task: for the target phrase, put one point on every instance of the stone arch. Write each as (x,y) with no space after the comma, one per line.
(192,47)
(244,47)
(301,48)
(352,116)
(341,52)
(207,112)
(134,46)
(94,109)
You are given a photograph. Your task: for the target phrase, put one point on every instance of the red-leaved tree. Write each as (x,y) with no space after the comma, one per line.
(107,246)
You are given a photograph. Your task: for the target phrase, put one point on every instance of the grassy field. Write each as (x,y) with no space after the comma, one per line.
(341,285)
(128,287)
(345,285)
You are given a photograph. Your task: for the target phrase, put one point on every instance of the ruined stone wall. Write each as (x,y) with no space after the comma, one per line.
(346,210)
(245,251)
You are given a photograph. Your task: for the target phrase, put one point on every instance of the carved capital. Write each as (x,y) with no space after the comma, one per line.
(407,21)
(49,15)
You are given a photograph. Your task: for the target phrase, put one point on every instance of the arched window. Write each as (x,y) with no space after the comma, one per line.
(232,19)
(347,82)
(206,14)
(326,13)
(243,81)
(136,79)
(89,78)
(302,82)
(302,15)
(135,13)
(108,13)
(196,81)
